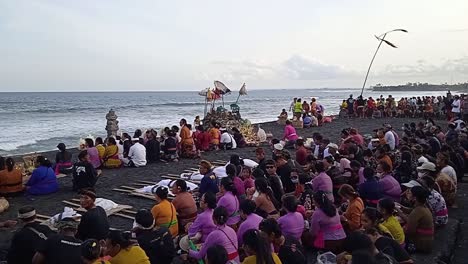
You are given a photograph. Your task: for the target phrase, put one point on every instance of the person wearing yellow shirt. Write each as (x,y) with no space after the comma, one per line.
(90,252)
(258,249)
(122,251)
(100,147)
(164,212)
(386,207)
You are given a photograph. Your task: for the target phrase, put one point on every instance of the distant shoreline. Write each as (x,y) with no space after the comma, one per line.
(423,87)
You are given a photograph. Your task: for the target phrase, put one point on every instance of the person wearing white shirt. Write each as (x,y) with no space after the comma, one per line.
(443,163)
(136,155)
(456,106)
(227,140)
(389,137)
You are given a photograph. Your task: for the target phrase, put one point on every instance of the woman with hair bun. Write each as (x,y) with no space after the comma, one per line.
(11,178)
(164,212)
(122,250)
(91,251)
(352,216)
(43,179)
(325,225)
(419,228)
(223,235)
(229,200)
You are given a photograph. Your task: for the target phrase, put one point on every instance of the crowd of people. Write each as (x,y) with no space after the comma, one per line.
(449,107)
(375,199)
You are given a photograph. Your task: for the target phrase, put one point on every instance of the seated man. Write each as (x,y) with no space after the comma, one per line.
(227,140)
(84,174)
(136,154)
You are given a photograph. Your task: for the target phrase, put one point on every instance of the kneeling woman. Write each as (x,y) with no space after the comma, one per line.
(326,227)
(223,235)
(111,155)
(164,212)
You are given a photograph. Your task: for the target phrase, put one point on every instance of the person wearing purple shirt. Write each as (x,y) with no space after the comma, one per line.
(229,200)
(251,220)
(322,182)
(292,223)
(325,227)
(203,224)
(223,235)
(389,185)
(231,172)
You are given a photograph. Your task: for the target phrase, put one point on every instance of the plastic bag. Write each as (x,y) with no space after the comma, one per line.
(326,258)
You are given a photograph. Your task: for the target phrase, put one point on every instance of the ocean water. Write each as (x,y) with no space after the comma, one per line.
(33,122)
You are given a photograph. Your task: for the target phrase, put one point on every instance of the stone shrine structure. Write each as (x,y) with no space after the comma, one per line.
(112,124)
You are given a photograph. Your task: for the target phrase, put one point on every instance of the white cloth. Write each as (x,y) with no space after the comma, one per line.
(262,137)
(68,212)
(390,139)
(228,138)
(121,150)
(450,171)
(106,204)
(137,154)
(456,106)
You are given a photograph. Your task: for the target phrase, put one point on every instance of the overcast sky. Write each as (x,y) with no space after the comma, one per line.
(101,45)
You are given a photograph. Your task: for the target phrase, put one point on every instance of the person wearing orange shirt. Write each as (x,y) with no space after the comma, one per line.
(11,179)
(351,218)
(164,212)
(215,136)
(186,141)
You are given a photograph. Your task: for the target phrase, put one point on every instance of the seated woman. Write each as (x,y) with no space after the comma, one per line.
(93,153)
(238,137)
(247,178)
(91,252)
(99,143)
(170,147)
(94,223)
(164,212)
(209,182)
(419,227)
(265,200)
(435,201)
(11,178)
(371,218)
(389,246)
(289,249)
(229,201)
(223,235)
(43,179)
(351,218)
(203,225)
(386,208)
(325,227)
(122,250)
(390,186)
(292,223)
(250,220)
(183,203)
(370,190)
(215,136)
(258,249)
(231,172)
(111,158)
(63,163)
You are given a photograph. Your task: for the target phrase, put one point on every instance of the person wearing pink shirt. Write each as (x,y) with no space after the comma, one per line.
(290,135)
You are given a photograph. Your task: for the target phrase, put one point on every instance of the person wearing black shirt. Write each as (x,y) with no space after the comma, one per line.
(94,223)
(260,154)
(274,180)
(155,241)
(28,239)
(84,174)
(63,158)
(153,147)
(60,248)
(284,171)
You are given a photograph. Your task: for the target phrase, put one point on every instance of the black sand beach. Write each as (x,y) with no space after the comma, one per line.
(52,204)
